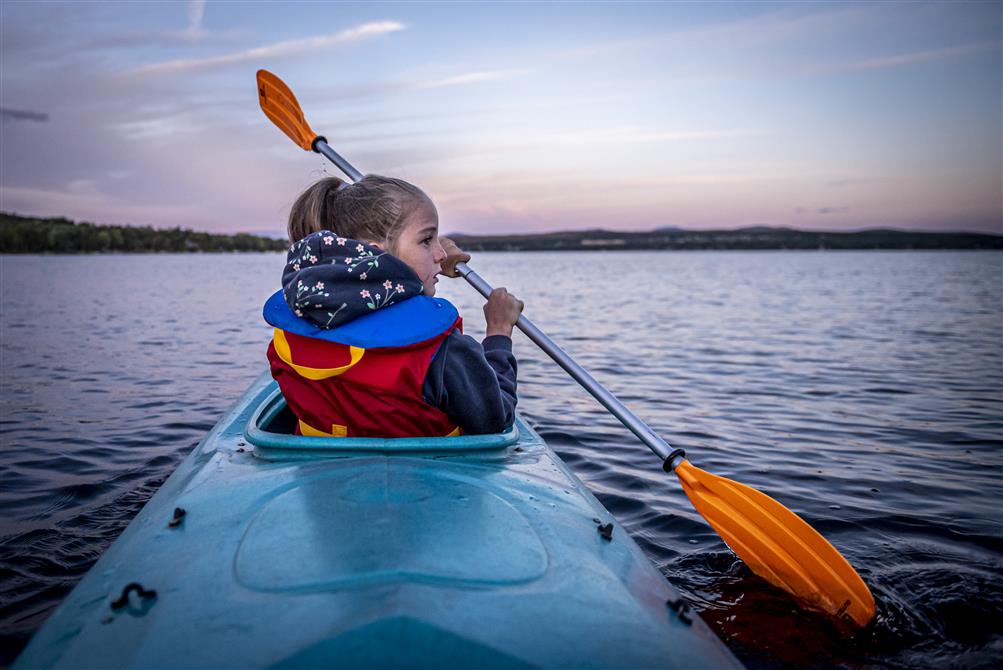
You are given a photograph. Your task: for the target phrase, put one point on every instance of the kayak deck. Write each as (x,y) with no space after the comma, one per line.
(422,553)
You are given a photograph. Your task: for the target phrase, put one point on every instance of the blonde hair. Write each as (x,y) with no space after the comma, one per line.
(373,209)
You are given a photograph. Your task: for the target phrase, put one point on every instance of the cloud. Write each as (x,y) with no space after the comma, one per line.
(629,135)
(462,79)
(158,128)
(196,12)
(7,114)
(380,89)
(762,44)
(901,60)
(71,33)
(277,49)
(769,27)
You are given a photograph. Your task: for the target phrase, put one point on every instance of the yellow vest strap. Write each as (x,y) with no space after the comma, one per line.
(310,431)
(314,374)
(342,431)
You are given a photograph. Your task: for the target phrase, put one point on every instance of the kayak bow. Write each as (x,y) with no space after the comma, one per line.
(266,549)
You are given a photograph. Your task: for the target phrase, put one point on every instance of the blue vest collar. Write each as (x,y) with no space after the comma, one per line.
(411,321)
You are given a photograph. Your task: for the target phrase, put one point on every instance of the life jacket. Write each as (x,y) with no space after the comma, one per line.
(365,378)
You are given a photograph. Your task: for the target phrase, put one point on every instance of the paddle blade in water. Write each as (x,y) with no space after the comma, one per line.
(778,545)
(280,105)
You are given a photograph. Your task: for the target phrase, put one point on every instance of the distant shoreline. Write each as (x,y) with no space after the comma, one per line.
(29,235)
(744,239)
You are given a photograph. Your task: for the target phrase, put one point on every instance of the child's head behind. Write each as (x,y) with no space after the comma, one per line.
(387,212)
(373,209)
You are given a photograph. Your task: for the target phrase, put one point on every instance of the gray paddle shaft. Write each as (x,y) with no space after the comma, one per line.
(321,146)
(661,448)
(670,457)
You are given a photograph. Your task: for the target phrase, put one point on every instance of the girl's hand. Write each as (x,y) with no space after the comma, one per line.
(501,311)
(454,255)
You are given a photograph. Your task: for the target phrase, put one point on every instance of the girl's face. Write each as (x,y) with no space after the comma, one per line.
(418,245)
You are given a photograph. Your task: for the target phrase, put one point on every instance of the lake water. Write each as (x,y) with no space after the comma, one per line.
(862,390)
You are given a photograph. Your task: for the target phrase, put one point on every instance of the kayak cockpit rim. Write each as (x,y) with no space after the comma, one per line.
(270,432)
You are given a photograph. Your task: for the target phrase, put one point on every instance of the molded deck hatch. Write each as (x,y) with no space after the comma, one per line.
(270,430)
(388,521)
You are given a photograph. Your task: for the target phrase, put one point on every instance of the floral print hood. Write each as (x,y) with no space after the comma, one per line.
(331,280)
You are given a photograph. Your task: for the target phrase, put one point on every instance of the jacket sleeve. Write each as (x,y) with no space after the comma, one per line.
(474,384)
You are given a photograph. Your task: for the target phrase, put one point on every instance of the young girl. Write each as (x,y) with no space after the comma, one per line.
(361,348)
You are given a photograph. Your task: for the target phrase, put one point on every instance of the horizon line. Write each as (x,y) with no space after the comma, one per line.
(659,229)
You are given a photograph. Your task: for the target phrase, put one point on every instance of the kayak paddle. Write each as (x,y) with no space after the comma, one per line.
(774,542)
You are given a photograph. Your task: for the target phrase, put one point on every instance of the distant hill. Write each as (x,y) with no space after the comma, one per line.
(758,237)
(28,235)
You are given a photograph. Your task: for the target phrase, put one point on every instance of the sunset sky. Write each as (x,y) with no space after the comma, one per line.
(514,117)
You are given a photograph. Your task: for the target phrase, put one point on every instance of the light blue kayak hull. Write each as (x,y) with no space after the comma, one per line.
(312,552)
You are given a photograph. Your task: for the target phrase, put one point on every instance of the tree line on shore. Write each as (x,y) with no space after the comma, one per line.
(755,238)
(29,235)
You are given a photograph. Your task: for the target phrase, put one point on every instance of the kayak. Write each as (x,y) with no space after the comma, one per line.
(269,550)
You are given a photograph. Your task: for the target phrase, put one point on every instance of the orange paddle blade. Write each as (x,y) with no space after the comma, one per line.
(778,545)
(280,105)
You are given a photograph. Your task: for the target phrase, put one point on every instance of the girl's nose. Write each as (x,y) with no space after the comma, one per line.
(440,253)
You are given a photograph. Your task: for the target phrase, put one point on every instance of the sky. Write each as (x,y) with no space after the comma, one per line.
(513,116)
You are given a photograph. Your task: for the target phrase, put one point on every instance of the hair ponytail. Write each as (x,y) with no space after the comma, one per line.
(372,209)
(313,209)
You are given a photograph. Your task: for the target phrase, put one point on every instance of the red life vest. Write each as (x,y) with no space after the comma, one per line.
(346,391)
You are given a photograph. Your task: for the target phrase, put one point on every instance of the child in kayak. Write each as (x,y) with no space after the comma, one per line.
(361,348)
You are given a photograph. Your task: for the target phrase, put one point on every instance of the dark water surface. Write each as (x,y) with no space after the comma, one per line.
(862,390)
